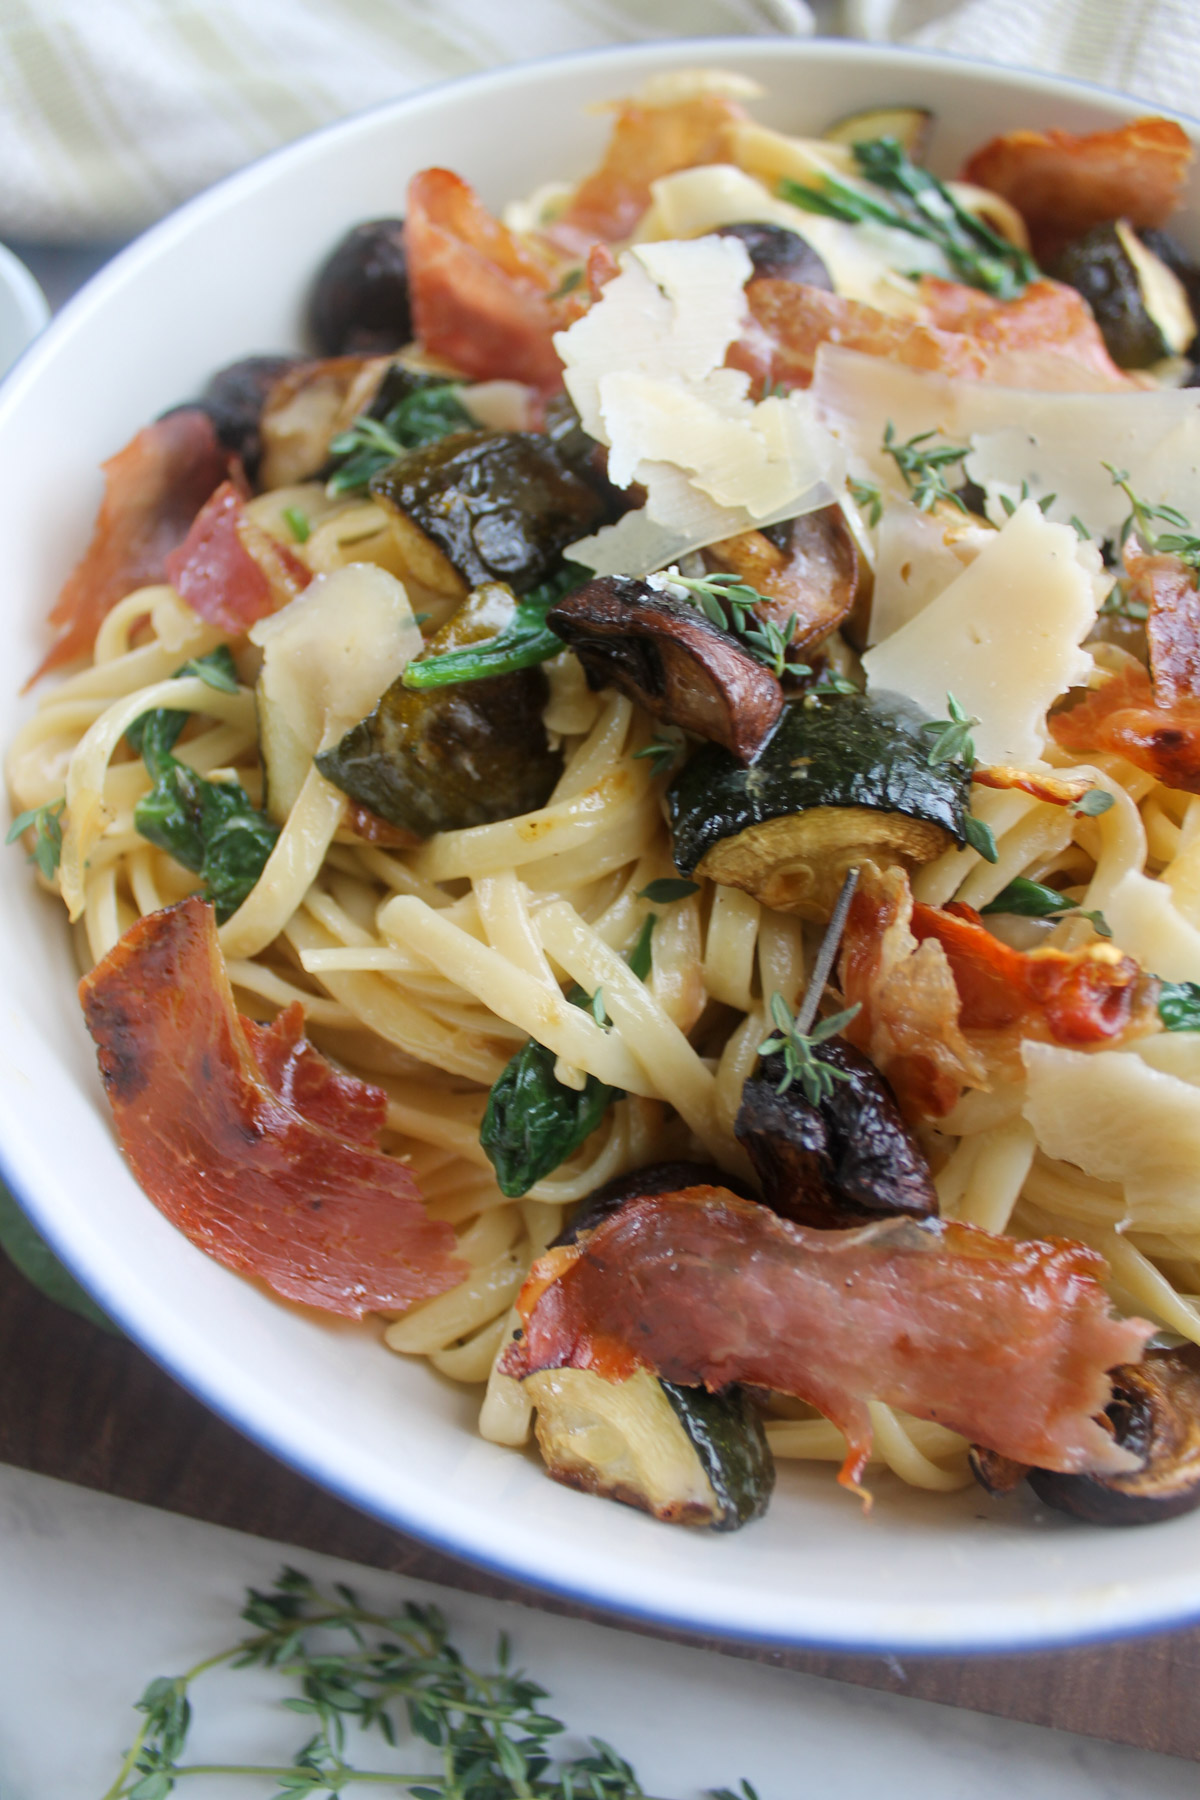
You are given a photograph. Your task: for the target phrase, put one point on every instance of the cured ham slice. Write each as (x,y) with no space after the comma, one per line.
(1124,715)
(945,1005)
(1043,341)
(1005,1342)
(153,489)
(245,1139)
(1166,587)
(1062,183)
(647,143)
(229,570)
(483,298)
(1048,316)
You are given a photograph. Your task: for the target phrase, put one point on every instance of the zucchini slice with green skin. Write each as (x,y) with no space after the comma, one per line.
(495,505)
(684,1455)
(909,125)
(842,782)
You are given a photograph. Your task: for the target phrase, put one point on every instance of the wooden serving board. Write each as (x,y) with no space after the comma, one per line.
(87,1407)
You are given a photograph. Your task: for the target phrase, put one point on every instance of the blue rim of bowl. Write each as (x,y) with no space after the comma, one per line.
(194,1381)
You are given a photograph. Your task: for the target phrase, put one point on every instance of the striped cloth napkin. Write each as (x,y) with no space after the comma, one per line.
(114,111)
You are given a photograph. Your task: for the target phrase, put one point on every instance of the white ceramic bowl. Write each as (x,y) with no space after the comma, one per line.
(225,277)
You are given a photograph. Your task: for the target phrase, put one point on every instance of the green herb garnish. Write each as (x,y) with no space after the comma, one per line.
(981,838)
(660,752)
(816,1078)
(866,495)
(525,641)
(952,740)
(532,1122)
(1179,1005)
(1043,505)
(1181,540)
(427,413)
(210,827)
(570,281)
(669,888)
(729,603)
(297,522)
(1027,899)
(923,471)
(924,207)
(350,1664)
(1097,800)
(46,824)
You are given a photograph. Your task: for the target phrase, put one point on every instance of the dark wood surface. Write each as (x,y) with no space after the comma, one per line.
(87,1407)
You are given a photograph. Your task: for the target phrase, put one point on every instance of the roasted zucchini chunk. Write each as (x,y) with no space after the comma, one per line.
(360,303)
(664,653)
(1155,1412)
(1140,305)
(682,1454)
(842,1163)
(807,569)
(845,781)
(909,125)
(778,254)
(496,505)
(450,757)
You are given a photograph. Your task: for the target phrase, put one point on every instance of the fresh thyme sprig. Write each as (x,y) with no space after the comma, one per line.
(866,495)
(661,752)
(46,824)
(729,602)
(924,471)
(489,1729)
(952,740)
(816,1078)
(1181,540)
(924,207)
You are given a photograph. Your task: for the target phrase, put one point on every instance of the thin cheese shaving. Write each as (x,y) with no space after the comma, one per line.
(1003,638)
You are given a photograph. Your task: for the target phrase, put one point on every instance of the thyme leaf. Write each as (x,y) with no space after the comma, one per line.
(730,603)
(46,824)
(350,1664)
(670,888)
(865,494)
(952,740)
(1097,800)
(924,471)
(801,1065)
(660,752)
(1028,899)
(1181,540)
(981,838)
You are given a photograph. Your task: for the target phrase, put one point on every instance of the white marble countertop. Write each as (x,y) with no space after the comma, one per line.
(98,1595)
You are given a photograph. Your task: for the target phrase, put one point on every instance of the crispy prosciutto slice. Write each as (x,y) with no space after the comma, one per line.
(1006,1342)
(229,570)
(1055,790)
(153,489)
(1048,316)
(944,1004)
(483,298)
(1045,340)
(1062,183)
(1153,719)
(647,143)
(245,1139)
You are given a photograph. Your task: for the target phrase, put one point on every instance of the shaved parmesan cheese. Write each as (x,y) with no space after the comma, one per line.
(328,657)
(864,261)
(645,369)
(1056,443)
(1003,638)
(919,555)
(1147,924)
(1119,1120)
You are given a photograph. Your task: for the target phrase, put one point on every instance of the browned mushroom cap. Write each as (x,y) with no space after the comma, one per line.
(996,1474)
(838,1164)
(1155,1412)
(806,568)
(664,653)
